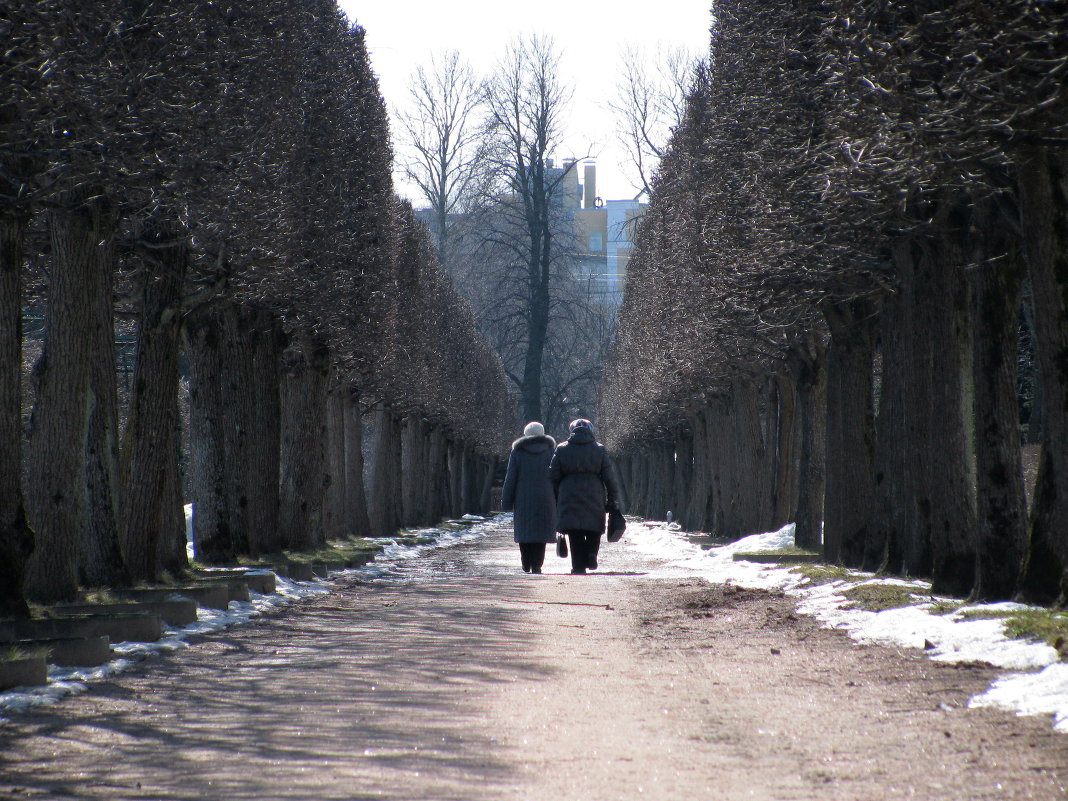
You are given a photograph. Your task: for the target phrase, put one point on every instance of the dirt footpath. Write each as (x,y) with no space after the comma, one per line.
(466,679)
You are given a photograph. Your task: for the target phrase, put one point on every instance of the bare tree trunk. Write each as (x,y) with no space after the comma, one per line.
(748,456)
(334,523)
(240,418)
(263,462)
(59,425)
(717,448)
(850,430)
(212,517)
(304,476)
(1044,213)
(884,548)
(149,458)
(385,500)
(787,449)
(16,538)
(173,554)
(682,483)
(412,470)
(471,481)
(489,468)
(946,322)
(915,375)
(100,561)
(537,329)
(810,374)
(437,485)
(356,517)
(1001,510)
(456,472)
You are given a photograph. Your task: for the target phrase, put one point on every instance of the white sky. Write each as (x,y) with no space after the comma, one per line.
(401,34)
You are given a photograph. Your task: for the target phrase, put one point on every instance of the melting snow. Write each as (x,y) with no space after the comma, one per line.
(1042,689)
(69,681)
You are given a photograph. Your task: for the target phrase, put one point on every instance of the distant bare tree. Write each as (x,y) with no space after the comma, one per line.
(443,140)
(650,102)
(526,102)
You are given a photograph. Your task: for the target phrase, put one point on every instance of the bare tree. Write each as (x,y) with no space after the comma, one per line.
(444,141)
(651,101)
(526,102)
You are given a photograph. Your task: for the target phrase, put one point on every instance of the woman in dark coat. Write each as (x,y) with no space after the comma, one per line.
(528,492)
(585,485)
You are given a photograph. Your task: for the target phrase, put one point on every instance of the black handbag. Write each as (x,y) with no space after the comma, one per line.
(616,524)
(561,546)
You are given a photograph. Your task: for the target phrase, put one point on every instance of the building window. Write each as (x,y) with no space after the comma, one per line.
(595,242)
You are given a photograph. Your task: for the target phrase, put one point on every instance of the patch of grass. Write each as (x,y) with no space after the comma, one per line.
(338,551)
(824,574)
(1041,625)
(877,597)
(791,550)
(13,653)
(986,614)
(100,596)
(944,607)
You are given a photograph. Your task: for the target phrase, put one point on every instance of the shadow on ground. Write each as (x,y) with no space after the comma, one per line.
(373,692)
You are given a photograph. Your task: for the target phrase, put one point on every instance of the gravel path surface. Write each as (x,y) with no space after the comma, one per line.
(465,679)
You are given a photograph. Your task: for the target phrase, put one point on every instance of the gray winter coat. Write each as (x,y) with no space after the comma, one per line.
(582,474)
(528,492)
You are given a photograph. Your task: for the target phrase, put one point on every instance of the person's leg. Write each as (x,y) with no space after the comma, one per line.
(537,556)
(524,555)
(578,551)
(593,546)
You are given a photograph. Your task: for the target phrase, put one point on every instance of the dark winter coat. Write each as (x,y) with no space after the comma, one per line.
(528,492)
(582,474)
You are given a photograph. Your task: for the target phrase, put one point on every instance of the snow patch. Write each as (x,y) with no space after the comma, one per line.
(947,638)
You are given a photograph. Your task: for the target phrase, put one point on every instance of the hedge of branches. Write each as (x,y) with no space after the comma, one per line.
(821,318)
(222,170)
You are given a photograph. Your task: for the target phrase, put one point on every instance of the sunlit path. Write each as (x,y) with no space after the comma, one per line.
(462,678)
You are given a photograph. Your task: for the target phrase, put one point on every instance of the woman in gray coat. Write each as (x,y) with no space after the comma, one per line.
(528,492)
(585,484)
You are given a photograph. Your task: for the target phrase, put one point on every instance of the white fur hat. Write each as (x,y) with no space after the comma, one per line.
(534,429)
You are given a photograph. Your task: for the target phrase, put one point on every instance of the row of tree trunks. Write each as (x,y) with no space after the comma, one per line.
(723,471)
(419,475)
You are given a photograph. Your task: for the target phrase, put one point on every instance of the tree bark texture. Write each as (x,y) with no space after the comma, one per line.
(263,456)
(437,466)
(212,517)
(810,371)
(787,448)
(100,562)
(59,424)
(947,506)
(356,517)
(16,538)
(850,430)
(885,543)
(304,476)
(1001,504)
(1044,216)
(456,471)
(384,502)
(334,523)
(149,458)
